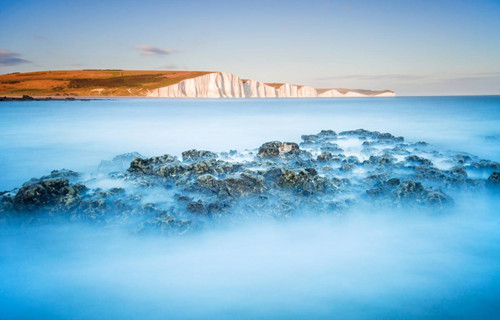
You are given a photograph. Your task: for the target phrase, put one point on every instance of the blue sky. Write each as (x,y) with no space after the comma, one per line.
(412,47)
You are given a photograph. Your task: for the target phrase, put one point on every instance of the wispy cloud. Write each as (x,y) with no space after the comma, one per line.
(168,67)
(477,76)
(411,77)
(8,58)
(154,51)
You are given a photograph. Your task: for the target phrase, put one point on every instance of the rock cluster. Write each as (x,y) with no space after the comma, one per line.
(327,173)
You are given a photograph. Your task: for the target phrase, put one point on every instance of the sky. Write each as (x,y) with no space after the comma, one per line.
(437,47)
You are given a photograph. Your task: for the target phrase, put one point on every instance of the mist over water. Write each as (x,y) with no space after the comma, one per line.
(368,263)
(38,137)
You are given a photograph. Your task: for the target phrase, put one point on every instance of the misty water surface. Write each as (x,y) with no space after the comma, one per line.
(367,264)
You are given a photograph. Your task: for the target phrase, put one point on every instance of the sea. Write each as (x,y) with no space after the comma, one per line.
(369,264)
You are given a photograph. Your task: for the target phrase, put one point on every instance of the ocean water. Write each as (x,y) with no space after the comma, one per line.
(369,264)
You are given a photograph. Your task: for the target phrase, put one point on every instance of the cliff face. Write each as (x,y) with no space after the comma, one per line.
(227,85)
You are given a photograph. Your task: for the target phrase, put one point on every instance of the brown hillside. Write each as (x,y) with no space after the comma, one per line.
(90,82)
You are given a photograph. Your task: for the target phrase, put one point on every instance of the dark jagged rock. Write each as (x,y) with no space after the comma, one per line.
(197,208)
(494,179)
(198,155)
(56,192)
(429,173)
(416,160)
(325,156)
(409,193)
(459,172)
(276,149)
(147,166)
(232,186)
(304,181)
(360,132)
(413,193)
(484,165)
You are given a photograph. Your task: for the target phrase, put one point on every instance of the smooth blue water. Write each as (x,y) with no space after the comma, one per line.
(370,264)
(36,137)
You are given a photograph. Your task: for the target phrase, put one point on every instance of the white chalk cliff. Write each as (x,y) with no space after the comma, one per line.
(228,85)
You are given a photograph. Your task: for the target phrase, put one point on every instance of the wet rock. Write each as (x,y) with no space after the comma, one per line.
(244,185)
(409,189)
(148,166)
(331,147)
(388,136)
(384,160)
(411,193)
(172,171)
(304,181)
(494,179)
(210,183)
(429,173)
(218,207)
(462,159)
(52,192)
(234,186)
(325,156)
(458,172)
(197,208)
(484,165)
(310,138)
(361,133)
(327,134)
(393,182)
(416,160)
(383,188)
(198,155)
(183,198)
(276,149)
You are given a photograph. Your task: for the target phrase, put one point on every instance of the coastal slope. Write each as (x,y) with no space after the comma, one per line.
(162,84)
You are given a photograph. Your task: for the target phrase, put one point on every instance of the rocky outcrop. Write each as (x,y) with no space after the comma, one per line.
(228,85)
(278,179)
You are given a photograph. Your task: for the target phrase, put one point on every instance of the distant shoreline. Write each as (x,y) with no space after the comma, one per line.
(30,98)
